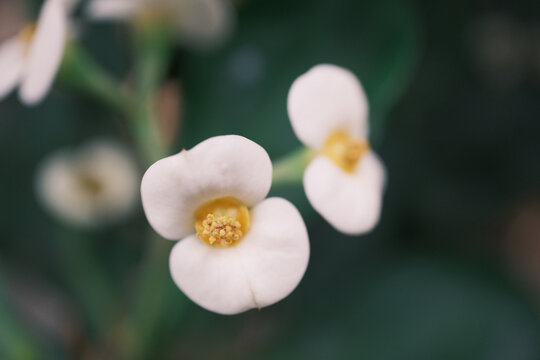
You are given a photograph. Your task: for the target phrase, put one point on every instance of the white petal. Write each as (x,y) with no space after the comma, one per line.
(112,9)
(275,251)
(46,52)
(174,187)
(349,202)
(262,269)
(325,99)
(57,190)
(204,23)
(11,65)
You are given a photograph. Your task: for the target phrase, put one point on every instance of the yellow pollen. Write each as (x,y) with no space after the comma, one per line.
(344,150)
(222,222)
(27,34)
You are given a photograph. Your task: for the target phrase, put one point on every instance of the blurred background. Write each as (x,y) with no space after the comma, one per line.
(451,272)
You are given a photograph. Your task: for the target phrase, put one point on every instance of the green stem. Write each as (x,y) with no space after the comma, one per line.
(87,279)
(79,71)
(290,169)
(153,45)
(14,342)
(148,307)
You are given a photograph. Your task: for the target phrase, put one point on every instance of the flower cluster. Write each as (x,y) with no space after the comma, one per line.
(236,249)
(31,58)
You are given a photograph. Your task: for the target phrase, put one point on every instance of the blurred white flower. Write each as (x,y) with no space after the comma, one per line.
(31,58)
(345,182)
(198,23)
(91,187)
(238,251)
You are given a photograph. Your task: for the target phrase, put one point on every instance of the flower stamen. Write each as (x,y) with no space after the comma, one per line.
(345,151)
(222,222)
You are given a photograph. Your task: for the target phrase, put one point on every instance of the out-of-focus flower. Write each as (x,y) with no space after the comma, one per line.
(92,187)
(31,58)
(238,251)
(345,182)
(199,23)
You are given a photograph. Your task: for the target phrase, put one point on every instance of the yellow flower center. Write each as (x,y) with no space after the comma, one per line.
(222,222)
(27,34)
(344,150)
(90,184)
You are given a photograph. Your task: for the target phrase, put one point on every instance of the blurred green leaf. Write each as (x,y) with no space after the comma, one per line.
(421,308)
(243,89)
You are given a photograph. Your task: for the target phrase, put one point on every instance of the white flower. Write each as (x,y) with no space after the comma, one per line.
(31,58)
(345,182)
(94,186)
(197,22)
(238,251)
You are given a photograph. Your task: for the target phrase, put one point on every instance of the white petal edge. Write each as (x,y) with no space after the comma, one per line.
(57,191)
(351,203)
(11,64)
(204,23)
(46,52)
(326,99)
(265,267)
(174,187)
(112,9)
